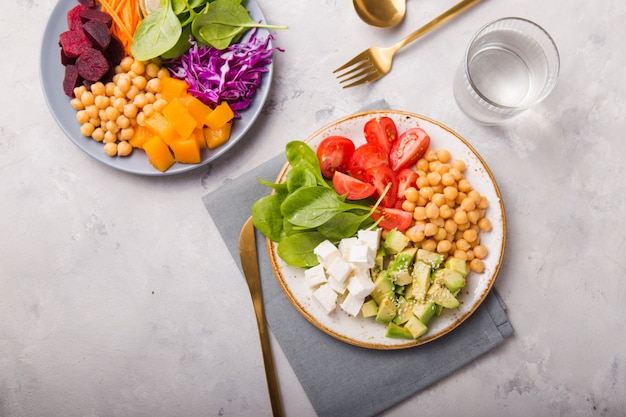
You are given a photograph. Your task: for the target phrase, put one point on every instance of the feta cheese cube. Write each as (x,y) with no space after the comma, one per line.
(326,252)
(345,245)
(339,270)
(352,304)
(315,276)
(370,237)
(362,256)
(338,287)
(326,297)
(361,284)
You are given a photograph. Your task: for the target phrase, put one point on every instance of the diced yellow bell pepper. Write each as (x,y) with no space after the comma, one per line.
(198,110)
(176,112)
(186,151)
(172,88)
(221,115)
(217,137)
(141,136)
(158,153)
(158,124)
(198,136)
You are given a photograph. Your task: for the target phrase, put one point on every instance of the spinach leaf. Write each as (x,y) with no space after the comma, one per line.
(157,33)
(299,154)
(267,218)
(297,250)
(300,177)
(343,225)
(224,22)
(313,206)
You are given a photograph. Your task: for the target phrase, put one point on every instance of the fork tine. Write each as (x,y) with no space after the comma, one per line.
(360,57)
(355,71)
(372,76)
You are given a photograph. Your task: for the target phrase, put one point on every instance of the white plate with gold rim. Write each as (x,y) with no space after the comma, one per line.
(366,332)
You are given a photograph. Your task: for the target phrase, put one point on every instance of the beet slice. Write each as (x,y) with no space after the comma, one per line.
(73,17)
(98,33)
(66,60)
(115,52)
(74,42)
(87,14)
(88,3)
(92,65)
(71,80)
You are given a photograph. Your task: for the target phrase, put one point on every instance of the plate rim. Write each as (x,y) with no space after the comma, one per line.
(409,343)
(50,39)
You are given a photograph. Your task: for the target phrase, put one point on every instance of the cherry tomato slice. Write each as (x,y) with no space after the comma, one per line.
(334,154)
(406,178)
(381,131)
(393,218)
(379,177)
(352,188)
(410,146)
(365,157)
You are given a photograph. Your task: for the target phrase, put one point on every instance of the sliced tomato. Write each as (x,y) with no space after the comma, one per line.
(393,218)
(406,178)
(410,146)
(379,177)
(334,154)
(365,157)
(381,131)
(352,188)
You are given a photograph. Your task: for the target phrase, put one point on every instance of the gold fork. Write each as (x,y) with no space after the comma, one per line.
(375,62)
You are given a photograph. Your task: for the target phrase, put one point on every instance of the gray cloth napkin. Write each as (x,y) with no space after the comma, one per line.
(341,379)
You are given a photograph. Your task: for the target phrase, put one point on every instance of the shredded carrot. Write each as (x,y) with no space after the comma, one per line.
(126,17)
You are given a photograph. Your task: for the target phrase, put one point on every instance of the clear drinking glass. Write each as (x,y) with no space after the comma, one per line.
(510,65)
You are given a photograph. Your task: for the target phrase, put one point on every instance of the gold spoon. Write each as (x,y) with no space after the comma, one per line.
(380,13)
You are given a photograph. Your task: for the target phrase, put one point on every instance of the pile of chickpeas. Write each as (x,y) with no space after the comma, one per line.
(448,213)
(110,112)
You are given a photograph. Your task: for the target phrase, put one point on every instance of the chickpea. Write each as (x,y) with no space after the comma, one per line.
(477,265)
(447,179)
(102,101)
(126,63)
(152,70)
(470,235)
(92,110)
(451,192)
(462,244)
(459,164)
(130,111)
(109,137)
(434,178)
(411,194)
(439,199)
(484,224)
(124,148)
(98,88)
(138,67)
(450,226)
(154,85)
(77,104)
(429,245)
(419,213)
(444,246)
(432,211)
(460,217)
(98,134)
(86,129)
(468,204)
(140,82)
(456,173)
(110,148)
(430,155)
(82,116)
(445,212)
(408,205)
(443,155)
(430,230)
(460,254)
(426,192)
(159,104)
(464,185)
(480,251)
(441,234)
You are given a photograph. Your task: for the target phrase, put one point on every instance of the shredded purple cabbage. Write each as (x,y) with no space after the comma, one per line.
(231,75)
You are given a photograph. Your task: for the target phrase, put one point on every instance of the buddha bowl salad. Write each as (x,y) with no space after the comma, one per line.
(388,230)
(169,77)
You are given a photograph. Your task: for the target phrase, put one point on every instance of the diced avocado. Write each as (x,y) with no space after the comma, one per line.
(452,279)
(398,332)
(431,258)
(421,280)
(379,260)
(395,242)
(400,267)
(369,308)
(441,295)
(383,287)
(404,311)
(386,310)
(458,265)
(438,310)
(424,310)
(415,327)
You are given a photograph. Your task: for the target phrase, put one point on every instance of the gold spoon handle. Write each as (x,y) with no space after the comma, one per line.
(442,18)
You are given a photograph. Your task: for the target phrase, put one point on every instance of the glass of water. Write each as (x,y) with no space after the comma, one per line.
(510,65)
